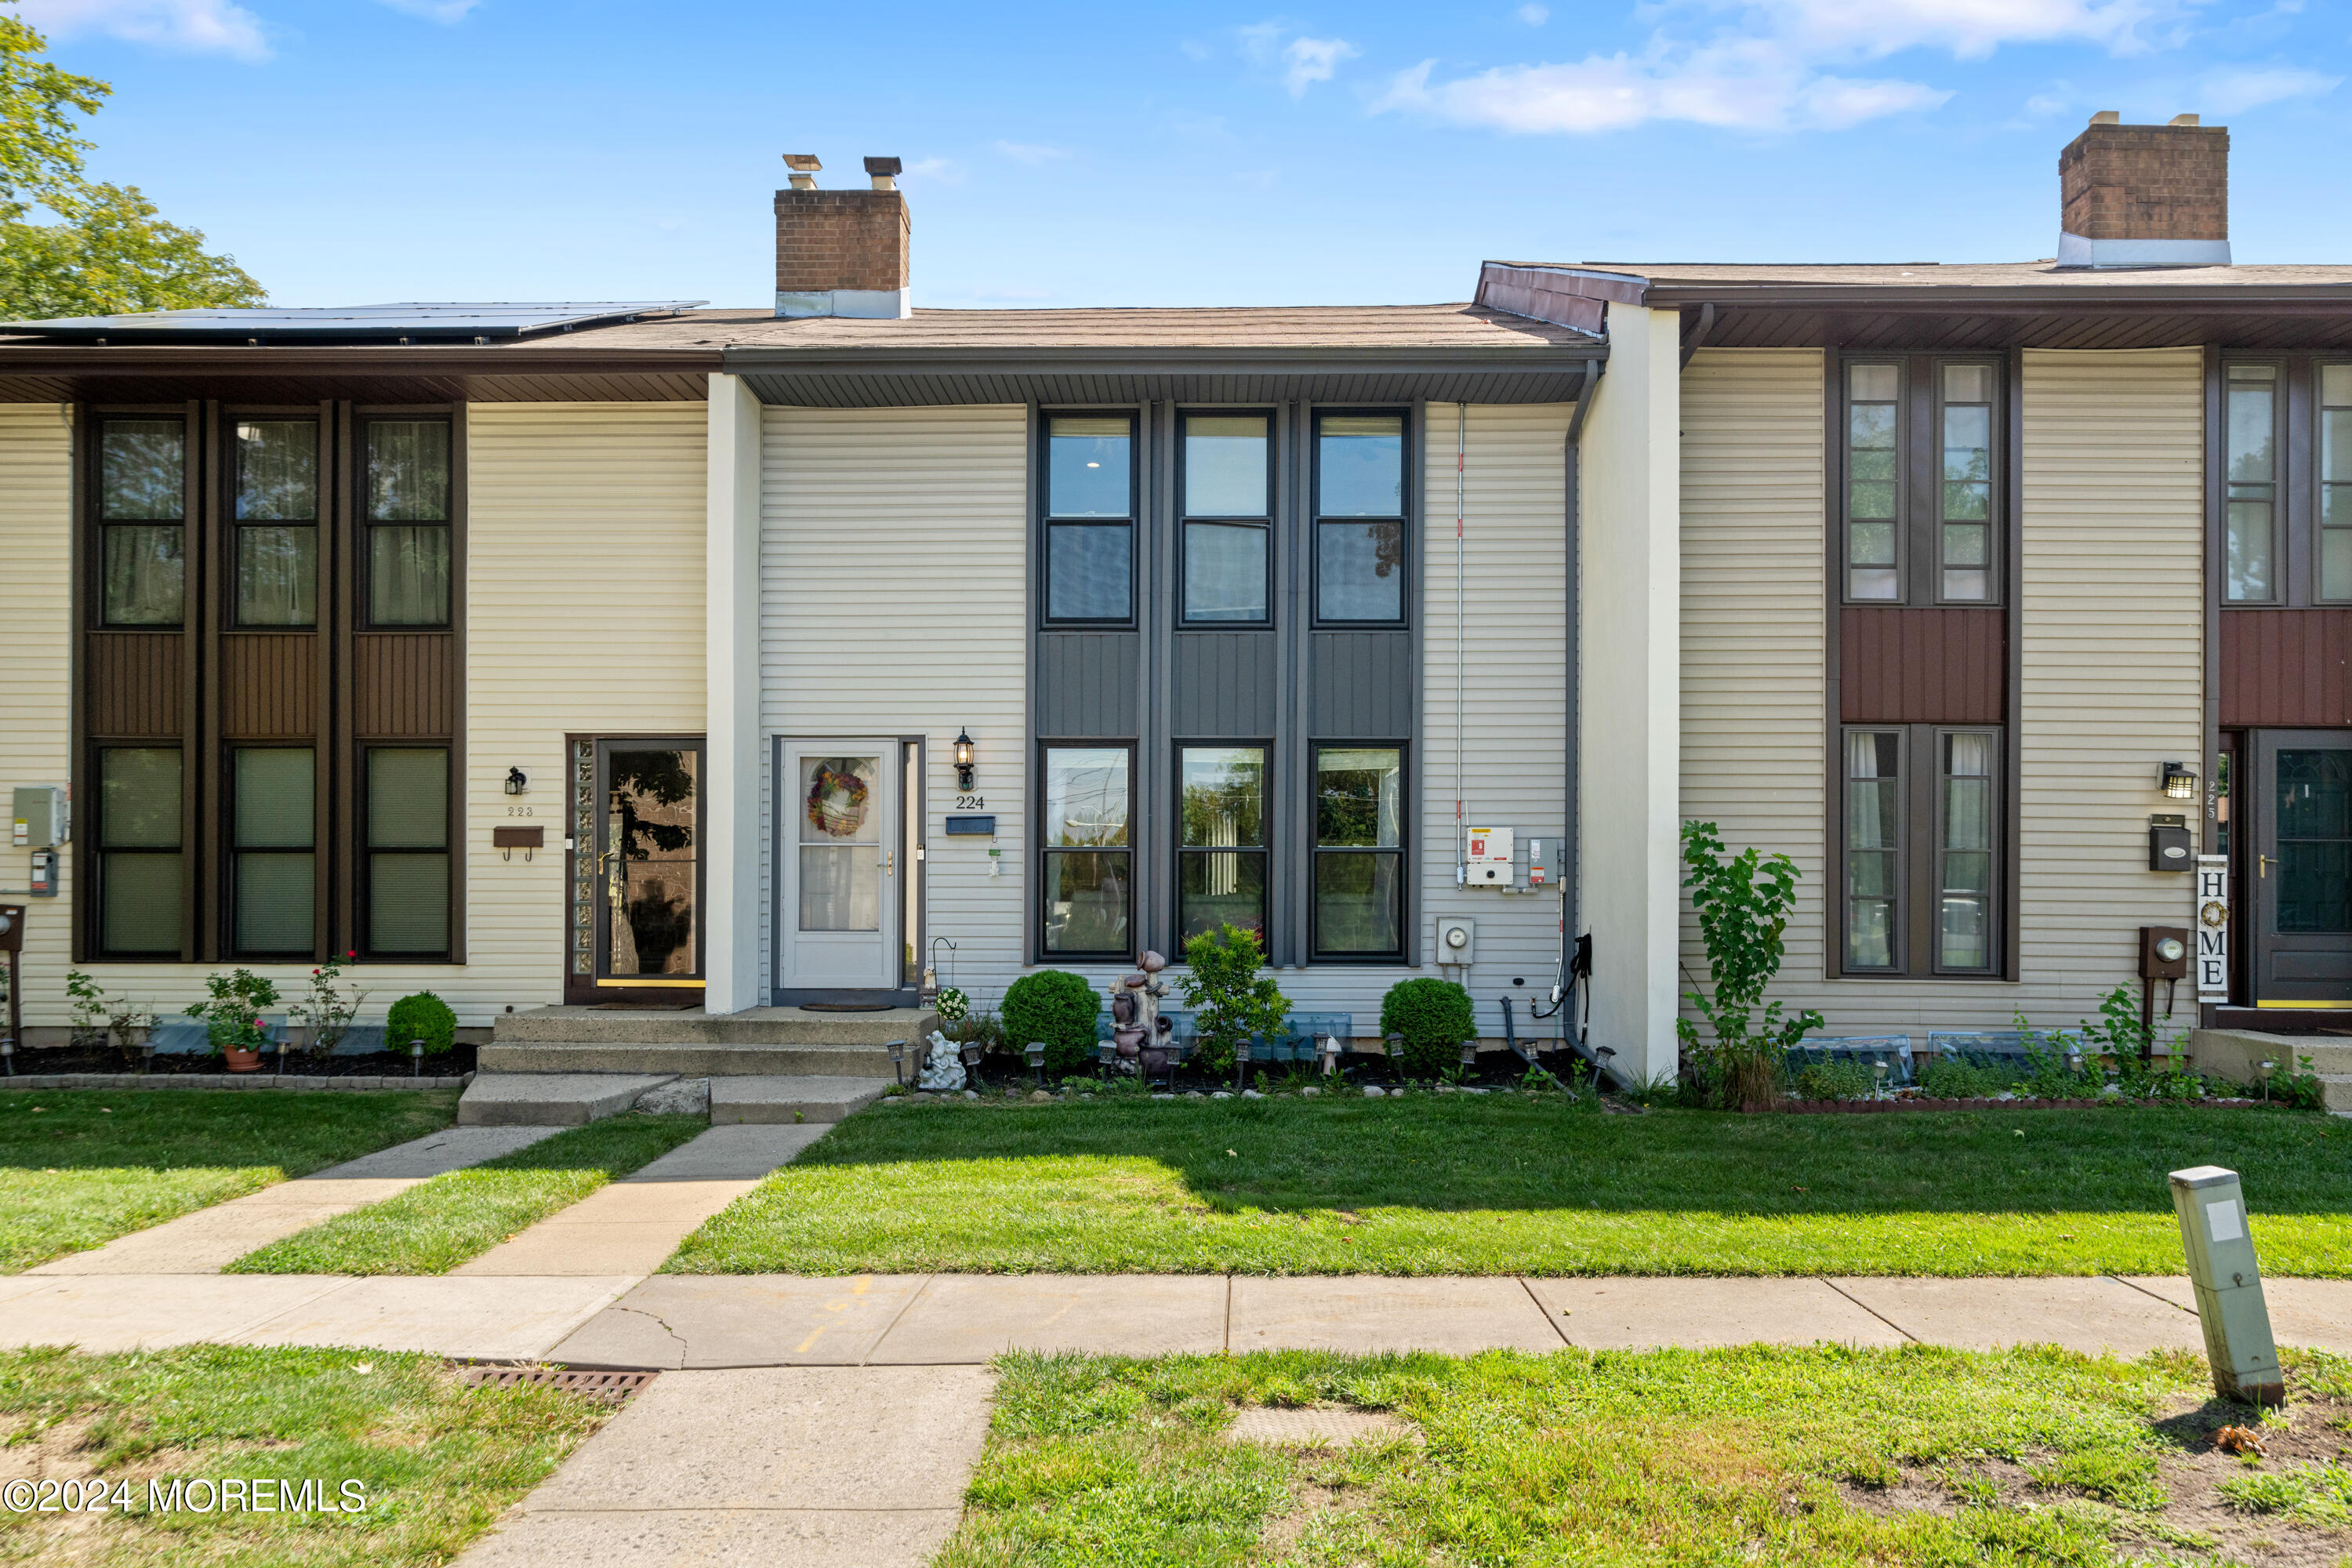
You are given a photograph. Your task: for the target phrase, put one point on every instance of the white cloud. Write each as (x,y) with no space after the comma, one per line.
(946,170)
(1739,84)
(196,27)
(2230,91)
(1310,60)
(1026,153)
(1970,29)
(447,11)
(1533,16)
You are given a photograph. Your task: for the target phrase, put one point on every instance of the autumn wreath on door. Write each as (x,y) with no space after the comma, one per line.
(836,799)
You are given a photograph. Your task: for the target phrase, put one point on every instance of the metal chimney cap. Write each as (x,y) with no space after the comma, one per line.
(885,166)
(2186,120)
(806,162)
(2108,117)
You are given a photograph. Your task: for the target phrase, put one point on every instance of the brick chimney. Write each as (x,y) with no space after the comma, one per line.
(2144,196)
(841,253)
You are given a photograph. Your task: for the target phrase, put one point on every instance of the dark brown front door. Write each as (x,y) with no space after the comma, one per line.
(637,870)
(2301,859)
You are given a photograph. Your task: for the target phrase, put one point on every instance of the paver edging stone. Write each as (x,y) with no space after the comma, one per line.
(223,1080)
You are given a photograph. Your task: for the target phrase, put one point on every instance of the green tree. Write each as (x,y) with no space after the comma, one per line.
(111,251)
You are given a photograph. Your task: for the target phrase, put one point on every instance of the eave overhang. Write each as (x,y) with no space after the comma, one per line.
(52,373)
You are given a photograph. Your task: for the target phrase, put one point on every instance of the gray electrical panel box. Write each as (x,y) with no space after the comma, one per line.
(40,820)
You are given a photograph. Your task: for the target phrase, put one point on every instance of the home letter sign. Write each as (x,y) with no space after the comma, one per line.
(2213,927)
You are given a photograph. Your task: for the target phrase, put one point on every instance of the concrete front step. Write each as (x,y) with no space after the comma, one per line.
(753,1026)
(551,1100)
(2233,1053)
(689,1059)
(768,1100)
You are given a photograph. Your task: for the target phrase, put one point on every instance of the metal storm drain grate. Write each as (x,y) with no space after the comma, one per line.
(614,1387)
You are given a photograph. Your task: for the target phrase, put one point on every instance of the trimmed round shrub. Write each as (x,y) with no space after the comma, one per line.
(1057,1008)
(1435,1017)
(423,1017)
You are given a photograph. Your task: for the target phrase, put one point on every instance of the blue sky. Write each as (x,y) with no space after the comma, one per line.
(358,150)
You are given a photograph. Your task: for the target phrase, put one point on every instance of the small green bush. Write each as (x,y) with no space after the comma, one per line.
(1435,1017)
(1057,1008)
(1835,1080)
(1949,1077)
(423,1017)
(1232,1002)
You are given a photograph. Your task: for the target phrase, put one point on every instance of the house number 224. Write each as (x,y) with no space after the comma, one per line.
(970,803)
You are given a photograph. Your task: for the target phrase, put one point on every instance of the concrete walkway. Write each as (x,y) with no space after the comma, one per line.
(811,1467)
(210,1239)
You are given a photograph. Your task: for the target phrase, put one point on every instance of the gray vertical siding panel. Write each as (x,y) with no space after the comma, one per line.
(1225,685)
(1363,686)
(1088,684)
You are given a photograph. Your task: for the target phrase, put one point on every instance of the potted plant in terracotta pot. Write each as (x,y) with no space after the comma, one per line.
(232,1016)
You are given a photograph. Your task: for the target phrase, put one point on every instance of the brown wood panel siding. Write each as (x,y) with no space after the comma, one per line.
(133,683)
(401,684)
(269,684)
(2286,667)
(1921,666)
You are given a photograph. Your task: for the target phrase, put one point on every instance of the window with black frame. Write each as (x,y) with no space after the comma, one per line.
(274,820)
(142,505)
(1922,850)
(1360,549)
(1360,852)
(141,872)
(407,816)
(1087,901)
(277,522)
(1227,488)
(1222,849)
(406,501)
(1089,519)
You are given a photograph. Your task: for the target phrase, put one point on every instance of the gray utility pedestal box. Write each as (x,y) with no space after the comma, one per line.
(39,821)
(2230,1305)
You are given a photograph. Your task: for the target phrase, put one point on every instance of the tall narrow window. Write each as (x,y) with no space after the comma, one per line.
(1360,518)
(1360,852)
(1964,922)
(1221,861)
(2253,425)
(1087,875)
(1089,518)
(1873,485)
(1965,435)
(407,503)
(275,820)
(277,522)
(2335,482)
(1873,849)
(143,502)
(139,872)
(407,818)
(1228,488)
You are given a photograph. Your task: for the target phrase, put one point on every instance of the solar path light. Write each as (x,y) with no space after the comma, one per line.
(897,1049)
(1105,1053)
(2230,1306)
(972,1052)
(417,1058)
(1036,1055)
(1394,1045)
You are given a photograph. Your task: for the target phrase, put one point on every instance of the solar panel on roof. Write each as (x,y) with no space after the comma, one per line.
(388,323)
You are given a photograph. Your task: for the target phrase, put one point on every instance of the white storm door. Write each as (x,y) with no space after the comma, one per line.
(838,847)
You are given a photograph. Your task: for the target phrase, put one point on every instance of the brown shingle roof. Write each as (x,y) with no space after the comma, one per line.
(2004,274)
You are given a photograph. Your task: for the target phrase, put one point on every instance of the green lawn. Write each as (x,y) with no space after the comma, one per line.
(435,1225)
(1811,1456)
(438,1461)
(1454,1185)
(80,1167)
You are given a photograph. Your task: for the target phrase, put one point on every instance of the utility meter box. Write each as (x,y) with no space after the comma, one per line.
(2169,847)
(1544,861)
(1457,940)
(1489,857)
(39,820)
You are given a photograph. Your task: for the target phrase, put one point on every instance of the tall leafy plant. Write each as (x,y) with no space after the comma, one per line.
(1744,902)
(1232,1001)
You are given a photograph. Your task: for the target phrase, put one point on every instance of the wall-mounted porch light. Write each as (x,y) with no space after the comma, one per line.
(963,759)
(2179,781)
(517,781)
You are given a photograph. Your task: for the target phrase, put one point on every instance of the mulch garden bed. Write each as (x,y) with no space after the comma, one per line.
(1878,1106)
(455,1061)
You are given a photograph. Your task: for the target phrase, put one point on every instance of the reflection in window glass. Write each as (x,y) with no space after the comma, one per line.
(1087,466)
(408,496)
(1967,494)
(1225,477)
(1359,851)
(2335,482)
(142,496)
(1964,919)
(1359,465)
(1225,572)
(2315,840)
(1874,836)
(2252,421)
(139,866)
(278,510)
(1221,861)
(841,844)
(1084,830)
(1871,488)
(1089,575)
(652,817)
(1359,474)
(1089,566)
(1226,467)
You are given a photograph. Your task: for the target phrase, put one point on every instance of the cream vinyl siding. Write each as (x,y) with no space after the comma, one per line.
(1514,640)
(35,654)
(584,537)
(2110,638)
(892,602)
